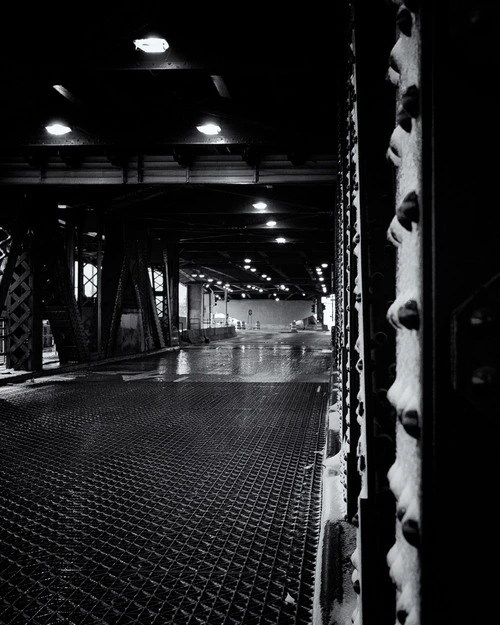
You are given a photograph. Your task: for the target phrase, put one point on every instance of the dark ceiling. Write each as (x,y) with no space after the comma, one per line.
(268,79)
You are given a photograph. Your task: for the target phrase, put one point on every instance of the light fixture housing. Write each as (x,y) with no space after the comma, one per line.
(209,129)
(57,129)
(151,45)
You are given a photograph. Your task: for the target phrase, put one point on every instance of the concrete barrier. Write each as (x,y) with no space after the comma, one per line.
(199,337)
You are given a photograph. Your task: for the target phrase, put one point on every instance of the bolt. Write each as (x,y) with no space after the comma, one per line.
(403,118)
(411,532)
(408,315)
(404,21)
(410,101)
(410,422)
(408,211)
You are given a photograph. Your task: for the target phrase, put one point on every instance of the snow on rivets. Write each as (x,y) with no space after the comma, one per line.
(408,212)
(394,150)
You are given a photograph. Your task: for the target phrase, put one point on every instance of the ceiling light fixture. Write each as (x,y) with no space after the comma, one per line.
(57,129)
(268,279)
(210,280)
(321,279)
(253,269)
(280,240)
(194,275)
(219,281)
(151,45)
(260,205)
(209,129)
(246,266)
(264,275)
(270,223)
(243,295)
(202,275)
(324,264)
(248,260)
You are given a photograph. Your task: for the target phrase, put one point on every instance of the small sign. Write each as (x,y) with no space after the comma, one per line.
(250,312)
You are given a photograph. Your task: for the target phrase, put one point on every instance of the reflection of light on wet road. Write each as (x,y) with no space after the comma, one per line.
(183,365)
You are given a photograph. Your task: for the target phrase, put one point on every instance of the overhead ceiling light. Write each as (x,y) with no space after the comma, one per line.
(219,281)
(264,275)
(270,223)
(321,279)
(57,129)
(281,240)
(62,206)
(253,269)
(210,280)
(249,286)
(246,266)
(260,205)
(209,129)
(194,275)
(248,260)
(202,275)
(277,299)
(151,45)
(268,278)
(243,295)
(324,264)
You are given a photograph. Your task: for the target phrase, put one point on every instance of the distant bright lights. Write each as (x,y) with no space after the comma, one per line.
(151,45)
(260,205)
(280,240)
(57,129)
(248,260)
(209,129)
(271,223)
(324,265)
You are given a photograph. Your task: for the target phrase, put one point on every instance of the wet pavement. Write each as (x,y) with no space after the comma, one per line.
(177,488)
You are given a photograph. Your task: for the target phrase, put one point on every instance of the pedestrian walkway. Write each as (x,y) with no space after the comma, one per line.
(179,488)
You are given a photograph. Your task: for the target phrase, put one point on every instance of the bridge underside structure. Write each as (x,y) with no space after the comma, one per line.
(404,211)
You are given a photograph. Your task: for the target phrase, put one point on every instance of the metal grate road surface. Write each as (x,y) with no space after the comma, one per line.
(140,502)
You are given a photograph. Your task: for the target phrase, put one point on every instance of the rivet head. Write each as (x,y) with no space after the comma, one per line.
(410,101)
(404,21)
(410,422)
(408,211)
(400,512)
(485,378)
(403,119)
(408,315)
(411,532)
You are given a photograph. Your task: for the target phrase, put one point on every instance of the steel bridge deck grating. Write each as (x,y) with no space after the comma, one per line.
(141,502)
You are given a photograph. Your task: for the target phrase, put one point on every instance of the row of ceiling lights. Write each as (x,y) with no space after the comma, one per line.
(149,45)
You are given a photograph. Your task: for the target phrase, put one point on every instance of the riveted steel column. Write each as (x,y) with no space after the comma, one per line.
(195,306)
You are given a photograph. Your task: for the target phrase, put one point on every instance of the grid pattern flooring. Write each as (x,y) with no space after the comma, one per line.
(127,501)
